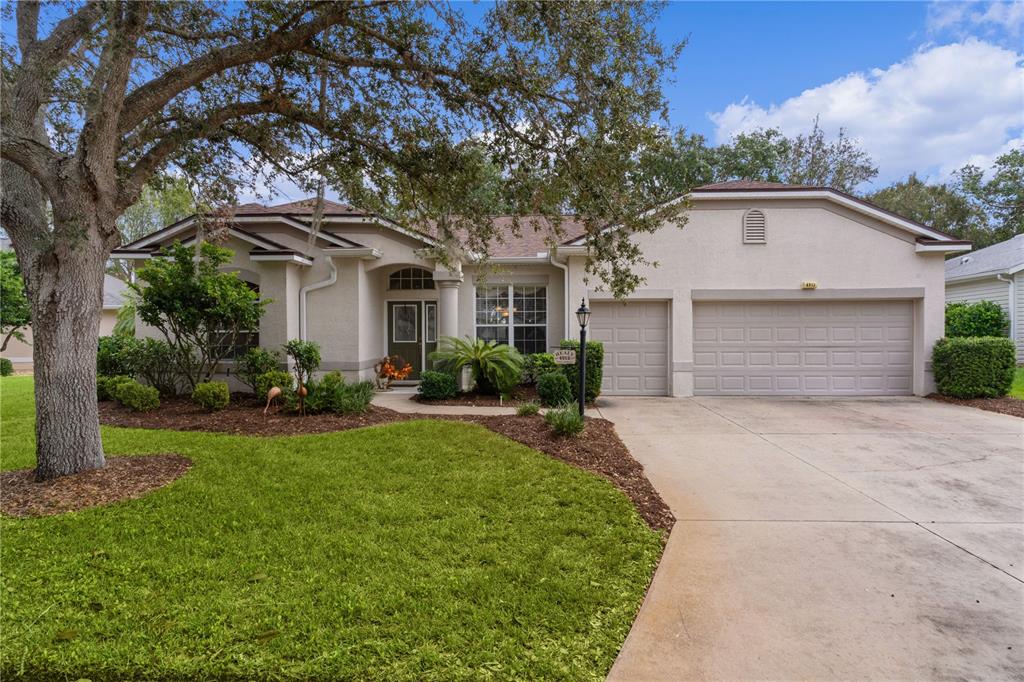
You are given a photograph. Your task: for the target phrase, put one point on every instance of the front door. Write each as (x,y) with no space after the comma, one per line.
(412,332)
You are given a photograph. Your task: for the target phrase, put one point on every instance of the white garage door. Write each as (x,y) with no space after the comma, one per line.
(797,348)
(635,338)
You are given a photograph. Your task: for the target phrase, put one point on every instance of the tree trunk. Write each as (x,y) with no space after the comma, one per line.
(67,300)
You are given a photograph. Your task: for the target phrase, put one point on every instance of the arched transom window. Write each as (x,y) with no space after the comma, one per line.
(411,278)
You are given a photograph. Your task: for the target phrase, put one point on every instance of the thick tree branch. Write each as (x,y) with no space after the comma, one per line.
(27,16)
(154,95)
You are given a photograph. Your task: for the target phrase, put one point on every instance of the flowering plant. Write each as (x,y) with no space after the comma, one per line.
(392,368)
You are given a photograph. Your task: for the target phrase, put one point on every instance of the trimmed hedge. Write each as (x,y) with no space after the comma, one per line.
(6,367)
(212,395)
(554,389)
(277,377)
(105,386)
(595,365)
(114,355)
(537,365)
(137,397)
(981,367)
(983,318)
(255,363)
(437,385)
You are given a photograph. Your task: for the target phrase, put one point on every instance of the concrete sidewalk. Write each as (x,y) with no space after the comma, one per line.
(830,539)
(400,400)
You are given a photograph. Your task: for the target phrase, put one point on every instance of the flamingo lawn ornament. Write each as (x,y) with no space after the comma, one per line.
(302,393)
(274,392)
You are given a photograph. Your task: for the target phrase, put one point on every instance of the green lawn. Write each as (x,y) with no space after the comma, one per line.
(1017,390)
(422,550)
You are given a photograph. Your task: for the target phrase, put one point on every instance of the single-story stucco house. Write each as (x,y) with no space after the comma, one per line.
(20,353)
(767,289)
(995,273)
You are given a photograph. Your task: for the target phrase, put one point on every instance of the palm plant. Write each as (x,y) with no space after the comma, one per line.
(496,367)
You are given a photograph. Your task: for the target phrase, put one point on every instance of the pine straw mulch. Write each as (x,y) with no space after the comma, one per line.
(1005,405)
(598,449)
(123,478)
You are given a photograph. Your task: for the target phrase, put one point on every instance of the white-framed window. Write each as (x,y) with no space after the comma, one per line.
(430,319)
(516,314)
(405,322)
(410,279)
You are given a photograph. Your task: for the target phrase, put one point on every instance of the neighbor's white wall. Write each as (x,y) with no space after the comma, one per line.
(20,354)
(988,289)
(1018,294)
(815,241)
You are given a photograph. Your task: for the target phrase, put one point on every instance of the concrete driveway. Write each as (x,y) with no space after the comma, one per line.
(830,539)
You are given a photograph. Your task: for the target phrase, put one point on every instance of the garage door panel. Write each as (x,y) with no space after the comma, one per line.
(794,348)
(635,337)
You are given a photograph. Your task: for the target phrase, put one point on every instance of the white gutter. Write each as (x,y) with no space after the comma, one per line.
(331,279)
(565,293)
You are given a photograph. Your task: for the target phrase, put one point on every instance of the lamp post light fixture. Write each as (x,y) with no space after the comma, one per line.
(583,317)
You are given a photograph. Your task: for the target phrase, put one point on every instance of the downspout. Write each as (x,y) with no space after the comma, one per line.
(565,292)
(331,279)
(1011,303)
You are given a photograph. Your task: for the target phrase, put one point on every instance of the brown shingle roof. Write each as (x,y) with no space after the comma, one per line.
(535,233)
(300,207)
(747,185)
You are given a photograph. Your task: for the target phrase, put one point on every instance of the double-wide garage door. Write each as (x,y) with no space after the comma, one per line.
(635,338)
(803,348)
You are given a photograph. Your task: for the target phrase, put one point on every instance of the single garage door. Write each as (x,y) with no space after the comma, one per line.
(635,338)
(797,348)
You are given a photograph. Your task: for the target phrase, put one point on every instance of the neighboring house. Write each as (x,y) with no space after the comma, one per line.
(113,297)
(995,273)
(728,311)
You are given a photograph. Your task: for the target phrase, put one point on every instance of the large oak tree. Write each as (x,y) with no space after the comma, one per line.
(390,102)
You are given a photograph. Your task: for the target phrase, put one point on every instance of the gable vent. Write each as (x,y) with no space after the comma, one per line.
(754,227)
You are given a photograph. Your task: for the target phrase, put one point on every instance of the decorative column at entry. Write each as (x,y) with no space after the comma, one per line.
(448,302)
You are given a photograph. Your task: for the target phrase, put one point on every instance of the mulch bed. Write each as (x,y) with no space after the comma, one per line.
(124,478)
(522,394)
(1004,405)
(598,449)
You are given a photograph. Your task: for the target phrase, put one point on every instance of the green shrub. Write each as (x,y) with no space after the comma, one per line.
(277,377)
(981,367)
(333,395)
(114,356)
(255,363)
(983,318)
(155,361)
(137,397)
(554,389)
(527,409)
(496,367)
(595,368)
(6,367)
(305,357)
(212,395)
(437,386)
(536,365)
(565,420)
(355,398)
(105,386)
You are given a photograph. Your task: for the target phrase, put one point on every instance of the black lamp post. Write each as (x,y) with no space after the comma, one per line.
(583,317)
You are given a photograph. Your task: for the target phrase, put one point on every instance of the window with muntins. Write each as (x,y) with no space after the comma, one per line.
(513,314)
(243,341)
(408,279)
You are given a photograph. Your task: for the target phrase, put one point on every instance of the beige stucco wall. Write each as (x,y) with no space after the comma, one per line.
(807,241)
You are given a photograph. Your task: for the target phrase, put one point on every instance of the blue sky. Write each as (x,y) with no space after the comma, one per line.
(924,86)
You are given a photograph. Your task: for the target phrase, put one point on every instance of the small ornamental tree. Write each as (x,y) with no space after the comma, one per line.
(15,313)
(305,357)
(200,310)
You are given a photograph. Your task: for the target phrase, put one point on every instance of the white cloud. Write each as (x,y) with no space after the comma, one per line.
(929,113)
(962,16)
